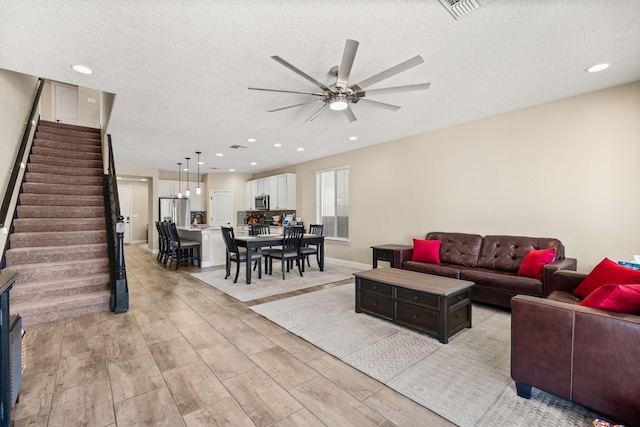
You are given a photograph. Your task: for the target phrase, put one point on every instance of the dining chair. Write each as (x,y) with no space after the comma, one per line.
(255,230)
(164,227)
(234,254)
(162,242)
(291,241)
(312,248)
(181,249)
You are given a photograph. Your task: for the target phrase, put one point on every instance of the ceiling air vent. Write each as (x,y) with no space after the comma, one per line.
(459,8)
(236,146)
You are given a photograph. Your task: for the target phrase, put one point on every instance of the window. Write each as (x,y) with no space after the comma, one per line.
(332,202)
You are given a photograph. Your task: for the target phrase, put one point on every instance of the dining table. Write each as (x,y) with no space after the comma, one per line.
(266,240)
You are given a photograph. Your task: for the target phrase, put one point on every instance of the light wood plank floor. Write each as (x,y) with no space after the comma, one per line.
(188,355)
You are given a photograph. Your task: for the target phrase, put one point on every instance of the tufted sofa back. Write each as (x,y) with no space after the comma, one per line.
(458,248)
(505,253)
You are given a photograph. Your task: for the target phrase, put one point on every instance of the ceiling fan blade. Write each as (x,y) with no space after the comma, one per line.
(389,107)
(286,91)
(300,73)
(349,113)
(317,113)
(291,106)
(390,72)
(349,54)
(396,89)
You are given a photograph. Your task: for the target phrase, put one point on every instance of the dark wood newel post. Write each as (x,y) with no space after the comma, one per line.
(122,301)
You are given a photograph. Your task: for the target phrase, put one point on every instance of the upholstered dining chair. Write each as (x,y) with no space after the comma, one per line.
(181,249)
(311,249)
(292,239)
(162,241)
(234,254)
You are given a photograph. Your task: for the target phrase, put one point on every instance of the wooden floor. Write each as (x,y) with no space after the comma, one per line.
(187,354)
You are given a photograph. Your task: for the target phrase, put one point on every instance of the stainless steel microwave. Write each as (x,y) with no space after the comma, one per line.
(262,203)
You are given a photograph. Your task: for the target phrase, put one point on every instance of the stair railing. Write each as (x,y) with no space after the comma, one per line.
(115,238)
(17,173)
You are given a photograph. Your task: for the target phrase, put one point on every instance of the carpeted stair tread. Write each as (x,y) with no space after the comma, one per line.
(47,254)
(26,225)
(58,270)
(75,132)
(23,292)
(65,154)
(69,238)
(59,161)
(27,199)
(61,145)
(48,178)
(63,189)
(63,307)
(60,170)
(74,140)
(58,125)
(61,212)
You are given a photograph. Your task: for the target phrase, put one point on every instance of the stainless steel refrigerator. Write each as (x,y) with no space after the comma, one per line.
(176,210)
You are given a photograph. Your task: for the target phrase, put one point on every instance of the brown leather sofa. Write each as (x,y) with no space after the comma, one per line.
(491,262)
(585,355)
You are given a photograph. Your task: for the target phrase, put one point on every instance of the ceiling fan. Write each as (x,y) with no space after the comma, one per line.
(340,95)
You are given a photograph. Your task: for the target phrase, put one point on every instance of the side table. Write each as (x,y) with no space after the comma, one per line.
(386,253)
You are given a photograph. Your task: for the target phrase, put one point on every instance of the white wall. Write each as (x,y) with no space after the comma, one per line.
(569,169)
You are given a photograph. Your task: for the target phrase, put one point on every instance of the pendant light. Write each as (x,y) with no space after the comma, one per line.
(198,189)
(179,185)
(187,193)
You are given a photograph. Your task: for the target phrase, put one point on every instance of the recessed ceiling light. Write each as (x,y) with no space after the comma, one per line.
(82,69)
(201,163)
(353,138)
(253,163)
(277,145)
(251,140)
(232,170)
(300,149)
(597,68)
(219,154)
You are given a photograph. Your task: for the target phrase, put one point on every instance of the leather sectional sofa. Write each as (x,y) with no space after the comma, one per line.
(585,355)
(491,262)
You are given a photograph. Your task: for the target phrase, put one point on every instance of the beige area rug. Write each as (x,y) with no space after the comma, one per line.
(273,285)
(467,381)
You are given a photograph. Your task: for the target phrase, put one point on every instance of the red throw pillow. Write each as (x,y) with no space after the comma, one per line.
(534,262)
(604,273)
(619,298)
(426,251)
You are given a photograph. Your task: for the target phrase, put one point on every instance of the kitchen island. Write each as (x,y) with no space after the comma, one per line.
(213,251)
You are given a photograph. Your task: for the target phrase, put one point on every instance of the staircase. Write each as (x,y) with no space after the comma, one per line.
(59,241)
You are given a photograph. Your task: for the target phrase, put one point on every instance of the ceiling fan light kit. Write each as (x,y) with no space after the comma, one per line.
(339,96)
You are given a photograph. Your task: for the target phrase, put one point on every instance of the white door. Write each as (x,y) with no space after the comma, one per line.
(124,195)
(65,103)
(221,208)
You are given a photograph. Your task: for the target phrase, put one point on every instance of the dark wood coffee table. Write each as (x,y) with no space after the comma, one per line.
(436,305)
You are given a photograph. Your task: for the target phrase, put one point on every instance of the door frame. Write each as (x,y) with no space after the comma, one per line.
(128,230)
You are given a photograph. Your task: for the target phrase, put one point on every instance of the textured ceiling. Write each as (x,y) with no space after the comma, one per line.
(180,70)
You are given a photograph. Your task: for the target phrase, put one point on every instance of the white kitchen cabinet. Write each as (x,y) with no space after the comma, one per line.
(165,188)
(280,188)
(250,193)
(286,191)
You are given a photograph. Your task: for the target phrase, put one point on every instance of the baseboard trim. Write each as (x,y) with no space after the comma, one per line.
(352,264)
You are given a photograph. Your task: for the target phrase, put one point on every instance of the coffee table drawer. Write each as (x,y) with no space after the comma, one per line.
(377,305)
(417,317)
(459,318)
(378,288)
(417,297)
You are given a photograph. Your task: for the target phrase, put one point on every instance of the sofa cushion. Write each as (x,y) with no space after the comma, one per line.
(505,253)
(618,298)
(458,248)
(564,296)
(445,270)
(534,262)
(426,251)
(606,272)
(509,282)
